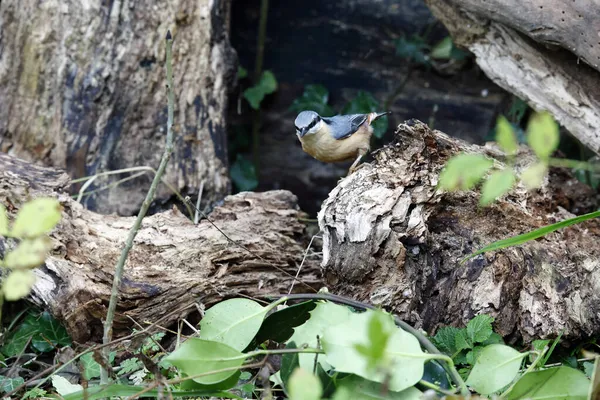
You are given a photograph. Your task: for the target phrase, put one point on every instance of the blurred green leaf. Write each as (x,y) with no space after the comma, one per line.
(498,184)
(289,363)
(36,217)
(314,98)
(378,336)
(242,72)
(464,171)
(505,136)
(446,50)
(533,176)
(535,234)
(496,367)
(3,221)
(304,385)
(28,254)
(413,49)
(266,85)
(243,174)
(551,384)
(542,134)
(364,103)
(18,284)
(9,384)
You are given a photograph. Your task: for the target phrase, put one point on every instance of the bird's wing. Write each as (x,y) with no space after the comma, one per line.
(343,126)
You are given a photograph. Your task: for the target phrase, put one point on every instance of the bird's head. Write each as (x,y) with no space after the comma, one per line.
(307,123)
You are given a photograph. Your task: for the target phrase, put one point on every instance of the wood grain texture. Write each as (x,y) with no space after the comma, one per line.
(391,238)
(173,263)
(82,87)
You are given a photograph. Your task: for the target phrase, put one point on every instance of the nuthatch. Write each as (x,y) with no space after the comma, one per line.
(338,138)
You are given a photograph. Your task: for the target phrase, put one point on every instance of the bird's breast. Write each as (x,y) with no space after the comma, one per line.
(326,148)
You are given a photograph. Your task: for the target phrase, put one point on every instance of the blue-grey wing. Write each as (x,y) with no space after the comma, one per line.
(343,126)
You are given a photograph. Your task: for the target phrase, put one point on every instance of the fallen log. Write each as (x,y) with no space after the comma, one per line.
(391,238)
(173,263)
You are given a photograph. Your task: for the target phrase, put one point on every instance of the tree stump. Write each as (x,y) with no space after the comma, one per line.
(391,238)
(82,88)
(173,263)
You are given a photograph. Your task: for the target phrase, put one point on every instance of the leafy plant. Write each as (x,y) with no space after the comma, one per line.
(243,174)
(445,49)
(42,331)
(266,85)
(315,98)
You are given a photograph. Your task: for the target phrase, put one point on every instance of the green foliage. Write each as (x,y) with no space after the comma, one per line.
(45,332)
(533,176)
(496,367)
(242,72)
(364,103)
(35,219)
(9,384)
(542,135)
(35,393)
(233,322)
(498,184)
(464,171)
(266,85)
(315,98)
(505,136)
(304,385)
(445,49)
(128,366)
(551,384)
(289,363)
(279,326)
(363,389)
(63,386)
(243,174)
(413,48)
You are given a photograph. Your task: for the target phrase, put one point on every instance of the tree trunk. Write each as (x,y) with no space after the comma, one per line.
(533,49)
(82,88)
(173,263)
(391,238)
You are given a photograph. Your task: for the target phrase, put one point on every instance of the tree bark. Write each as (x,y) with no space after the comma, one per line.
(173,263)
(533,49)
(391,238)
(82,88)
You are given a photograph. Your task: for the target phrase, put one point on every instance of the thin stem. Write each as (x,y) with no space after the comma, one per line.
(258,66)
(567,163)
(120,266)
(529,369)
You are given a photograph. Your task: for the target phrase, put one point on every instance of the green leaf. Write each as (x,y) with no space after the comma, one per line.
(9,384)
(198,356)
(594,391)
(436,374)
(289,363)
(63,386)
(498,184)
(542,134)
(517,111)
(242,72)
(505,136)
(496,367)
(327,381)
(463,340)
(51,334)
(256,94)
(493,339)
(35,393)
(588,368)
(363,389)
(18,284)
(464,171)
(412,49)
(243,174)
(3,221)
(445,339)
(378,334)
(403,361)
(479,328)
(129,365)
(533,176)
(364,103)
(538,233)
(15,343)
(303,385)
(314,98)
(29,253)
(443,49)
(233,322)
(551,384)
(228,383)
(473,355)
(91,369)
(102,392)
(322,317)
(36,217)
(279,326)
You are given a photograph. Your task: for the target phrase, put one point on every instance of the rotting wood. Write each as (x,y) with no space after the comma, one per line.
(391,238)
(173,262)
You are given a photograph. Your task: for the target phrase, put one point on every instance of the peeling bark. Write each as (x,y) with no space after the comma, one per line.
(82,88)
(173,262)
(391,238)
(532,49)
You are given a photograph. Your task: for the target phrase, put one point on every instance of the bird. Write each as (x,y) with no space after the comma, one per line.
(338,138)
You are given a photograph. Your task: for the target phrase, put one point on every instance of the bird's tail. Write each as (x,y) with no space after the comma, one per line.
(374,116)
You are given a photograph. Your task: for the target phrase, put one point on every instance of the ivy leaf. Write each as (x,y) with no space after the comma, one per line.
(505,136)
(9,384)
(533,176)
(542,134)
(445,339)
(266,85)
(243,174)
(18,284)
(496,367)
(36,217)
(479,328)
(498,184)
(364,103)
(314,98)
(464,171)
(50,334)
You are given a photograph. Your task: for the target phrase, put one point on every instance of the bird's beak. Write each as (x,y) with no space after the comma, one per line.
(303,132)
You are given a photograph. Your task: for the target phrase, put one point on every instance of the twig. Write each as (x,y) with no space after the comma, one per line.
(120,266)
(197,214)
(302,263)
